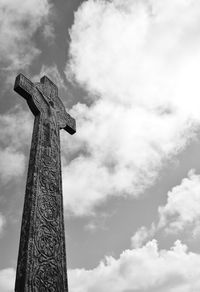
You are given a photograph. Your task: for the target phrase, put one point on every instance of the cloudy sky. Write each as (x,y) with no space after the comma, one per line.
(129,72)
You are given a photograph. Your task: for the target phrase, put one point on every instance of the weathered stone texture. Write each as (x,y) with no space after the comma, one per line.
(41,260)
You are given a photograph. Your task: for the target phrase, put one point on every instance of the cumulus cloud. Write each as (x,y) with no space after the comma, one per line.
(7,278)
(18,24)
(142,269)
(139,62)
(142,235)
(15,135)
(179,215)
(182,207)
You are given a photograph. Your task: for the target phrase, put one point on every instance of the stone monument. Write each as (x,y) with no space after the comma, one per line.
(41,263)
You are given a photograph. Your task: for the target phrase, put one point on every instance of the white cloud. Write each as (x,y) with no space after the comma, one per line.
(15,135)
(7,278)
(142,269)
(16,127)
(182,207)
(12,164)
(125,149)
(180,214)
(18,24)
(142,76)
(138,55)
(142,235)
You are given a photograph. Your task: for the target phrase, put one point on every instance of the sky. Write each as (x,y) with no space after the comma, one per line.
(128,71)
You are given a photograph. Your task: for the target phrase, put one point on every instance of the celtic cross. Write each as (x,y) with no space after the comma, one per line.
(41,263)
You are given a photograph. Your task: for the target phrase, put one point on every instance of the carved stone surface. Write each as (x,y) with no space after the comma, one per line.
(41,263)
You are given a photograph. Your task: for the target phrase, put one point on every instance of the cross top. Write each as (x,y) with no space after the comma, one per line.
(42,97)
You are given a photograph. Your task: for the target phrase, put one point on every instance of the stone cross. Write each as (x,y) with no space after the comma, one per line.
(41,263)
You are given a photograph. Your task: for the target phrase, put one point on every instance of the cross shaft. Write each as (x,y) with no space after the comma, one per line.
(42,257)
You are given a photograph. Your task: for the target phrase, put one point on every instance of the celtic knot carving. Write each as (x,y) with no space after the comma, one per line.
(49,180)
(48,207)
(47,241)
(47,279)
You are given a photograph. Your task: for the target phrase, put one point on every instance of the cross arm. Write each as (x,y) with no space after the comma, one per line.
(25,88)
(66,122)
(70,126)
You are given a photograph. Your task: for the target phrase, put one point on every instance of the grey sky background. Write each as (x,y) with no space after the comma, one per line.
(128,71)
